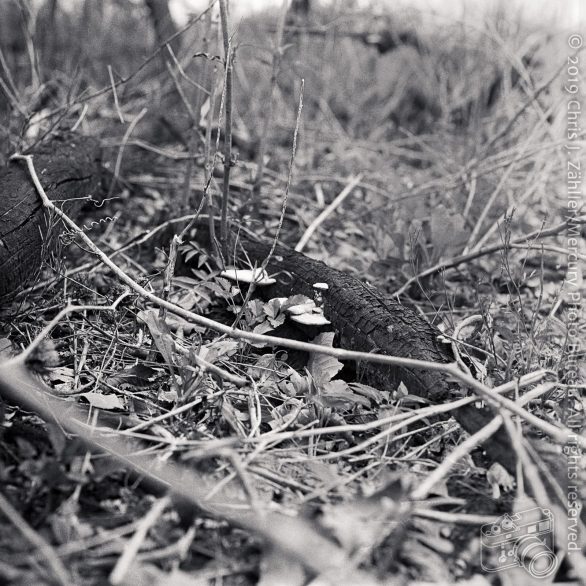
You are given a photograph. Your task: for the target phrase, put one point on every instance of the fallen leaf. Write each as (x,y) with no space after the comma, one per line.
(100,401)
(138,375)
(375,395)
(160,332)
(337,394)
(323,368)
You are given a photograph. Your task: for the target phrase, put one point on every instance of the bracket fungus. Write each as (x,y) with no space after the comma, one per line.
(308,314)
(257,276)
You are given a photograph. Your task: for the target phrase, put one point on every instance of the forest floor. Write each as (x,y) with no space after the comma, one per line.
(440,167)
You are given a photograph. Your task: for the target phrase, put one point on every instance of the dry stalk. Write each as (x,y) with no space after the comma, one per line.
(337,202)
(125,138)
(277,56)
(289,175)
(227,100)
(115,94)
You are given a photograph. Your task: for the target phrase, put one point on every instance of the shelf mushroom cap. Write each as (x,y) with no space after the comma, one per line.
(257,276)
(302,308)
(311,319)
(321,286)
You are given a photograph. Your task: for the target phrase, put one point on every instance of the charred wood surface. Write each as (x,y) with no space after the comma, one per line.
(67,166)
(363,318)
(370,321)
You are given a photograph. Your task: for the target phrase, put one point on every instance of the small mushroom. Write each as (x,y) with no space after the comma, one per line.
(318,289)
(256,276)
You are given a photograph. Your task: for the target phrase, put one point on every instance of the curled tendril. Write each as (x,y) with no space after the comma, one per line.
(68,236)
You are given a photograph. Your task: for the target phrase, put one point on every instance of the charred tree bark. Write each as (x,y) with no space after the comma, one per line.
(364,319)
(67,166)
(369,321)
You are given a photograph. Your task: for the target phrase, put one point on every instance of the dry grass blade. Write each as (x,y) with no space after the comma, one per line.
(227,103)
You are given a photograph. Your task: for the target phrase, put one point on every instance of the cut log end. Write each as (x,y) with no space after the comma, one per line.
(67,165)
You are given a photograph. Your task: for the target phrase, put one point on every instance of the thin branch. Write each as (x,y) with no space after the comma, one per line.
(116,104)
(461,451)
(204,365)
(458,260)
(132,548)
(354,181)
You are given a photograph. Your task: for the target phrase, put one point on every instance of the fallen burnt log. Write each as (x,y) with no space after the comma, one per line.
(369,321)
(67,165)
